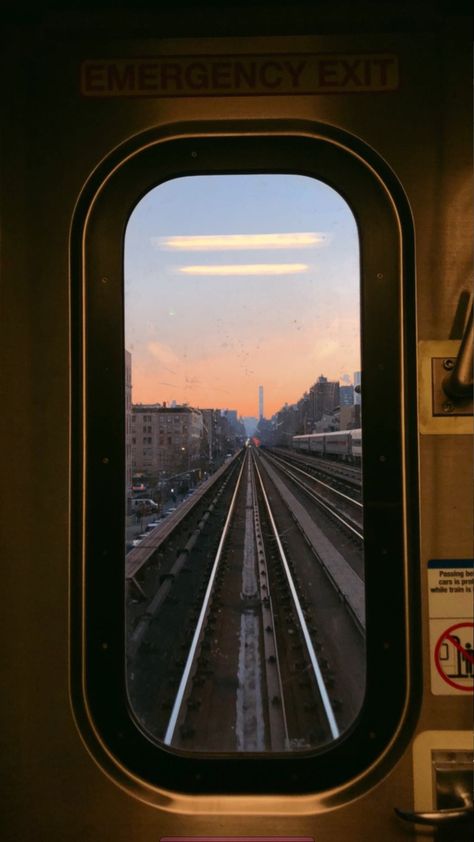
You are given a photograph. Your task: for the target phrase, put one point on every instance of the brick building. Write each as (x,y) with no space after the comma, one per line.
(166,439)
(324,395)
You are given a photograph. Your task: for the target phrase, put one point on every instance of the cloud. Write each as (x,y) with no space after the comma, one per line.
(164,354)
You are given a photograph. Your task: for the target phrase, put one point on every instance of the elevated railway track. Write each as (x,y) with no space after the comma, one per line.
(237,649)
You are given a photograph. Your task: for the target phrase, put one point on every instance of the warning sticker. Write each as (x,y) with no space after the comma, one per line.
(451,586)
(454,657)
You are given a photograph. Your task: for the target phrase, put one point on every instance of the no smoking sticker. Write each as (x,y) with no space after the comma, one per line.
(452,657)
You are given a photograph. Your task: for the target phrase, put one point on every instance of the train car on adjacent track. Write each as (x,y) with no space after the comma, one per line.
(345,445)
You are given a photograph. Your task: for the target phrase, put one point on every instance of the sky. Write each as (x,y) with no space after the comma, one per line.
(236,281)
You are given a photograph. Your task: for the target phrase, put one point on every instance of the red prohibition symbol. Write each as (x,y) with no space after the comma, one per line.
(464,658)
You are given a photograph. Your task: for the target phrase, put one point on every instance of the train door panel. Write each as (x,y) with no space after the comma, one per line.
(90,117)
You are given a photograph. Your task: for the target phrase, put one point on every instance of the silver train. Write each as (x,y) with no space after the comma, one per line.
(344,444)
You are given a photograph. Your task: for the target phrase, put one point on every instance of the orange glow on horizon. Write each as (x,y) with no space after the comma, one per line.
(227,381)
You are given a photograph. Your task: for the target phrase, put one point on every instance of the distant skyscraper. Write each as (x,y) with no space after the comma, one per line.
(346,395)
(357,379)
(260,402)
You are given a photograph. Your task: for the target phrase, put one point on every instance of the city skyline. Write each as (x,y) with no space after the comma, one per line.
(173,404)
(213,311)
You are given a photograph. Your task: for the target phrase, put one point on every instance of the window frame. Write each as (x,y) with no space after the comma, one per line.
(98,494)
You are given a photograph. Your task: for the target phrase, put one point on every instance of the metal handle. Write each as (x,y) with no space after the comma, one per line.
(459,383)
(440,818)
(437,818)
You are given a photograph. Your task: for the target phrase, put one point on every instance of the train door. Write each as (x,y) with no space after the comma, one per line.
(123,130)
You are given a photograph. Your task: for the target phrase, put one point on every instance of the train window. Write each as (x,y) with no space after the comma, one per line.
(241,600)
(242,325)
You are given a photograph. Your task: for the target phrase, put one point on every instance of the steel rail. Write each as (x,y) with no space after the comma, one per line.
(317,499)
(319,481)
(268,618)
(200,622)
(332,468)
(328,710)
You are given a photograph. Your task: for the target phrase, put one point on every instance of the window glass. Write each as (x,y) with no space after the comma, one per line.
(244,521)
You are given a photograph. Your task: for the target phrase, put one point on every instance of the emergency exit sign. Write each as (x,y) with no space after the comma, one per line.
(240,75)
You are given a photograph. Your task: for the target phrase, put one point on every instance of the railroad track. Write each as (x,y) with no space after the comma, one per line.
(341,507)
(340,473)
(246,673)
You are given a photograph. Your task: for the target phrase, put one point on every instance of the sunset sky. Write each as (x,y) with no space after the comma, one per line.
(232,282)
